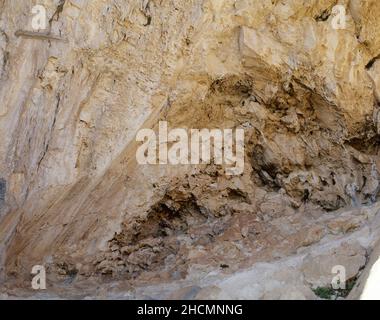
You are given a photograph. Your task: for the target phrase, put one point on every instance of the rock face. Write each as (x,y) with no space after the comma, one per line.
(367,287)
(74,199)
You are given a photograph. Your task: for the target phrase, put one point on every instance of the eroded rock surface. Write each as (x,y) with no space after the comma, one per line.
(74,199)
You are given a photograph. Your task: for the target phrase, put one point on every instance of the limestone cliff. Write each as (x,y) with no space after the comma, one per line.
(74,199)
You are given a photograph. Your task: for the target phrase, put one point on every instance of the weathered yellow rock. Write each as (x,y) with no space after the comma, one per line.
(305,92)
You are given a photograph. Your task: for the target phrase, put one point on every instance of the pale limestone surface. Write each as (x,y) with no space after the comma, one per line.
(77,201)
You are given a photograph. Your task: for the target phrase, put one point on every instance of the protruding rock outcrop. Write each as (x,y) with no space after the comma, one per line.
(74,199)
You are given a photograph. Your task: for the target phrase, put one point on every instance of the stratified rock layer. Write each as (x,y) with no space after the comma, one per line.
(73,198)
